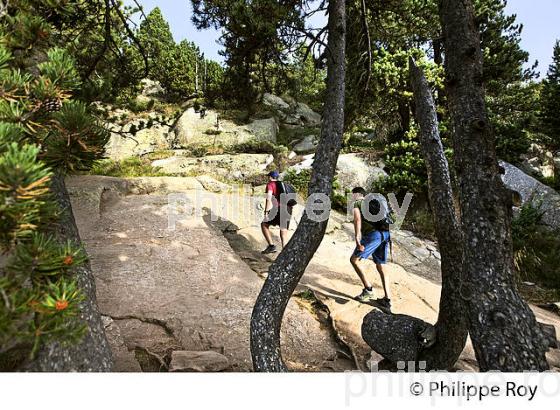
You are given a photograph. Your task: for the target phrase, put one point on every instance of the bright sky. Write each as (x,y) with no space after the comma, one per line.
(539,19)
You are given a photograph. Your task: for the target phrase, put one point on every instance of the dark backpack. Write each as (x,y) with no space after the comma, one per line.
(374,209)
(285,188)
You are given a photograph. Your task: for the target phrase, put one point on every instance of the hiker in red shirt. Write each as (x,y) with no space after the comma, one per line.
(275,213)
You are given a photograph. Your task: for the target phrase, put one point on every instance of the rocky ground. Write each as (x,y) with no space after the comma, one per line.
(181,299)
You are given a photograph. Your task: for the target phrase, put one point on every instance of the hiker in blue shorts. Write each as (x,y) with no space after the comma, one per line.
(372,240)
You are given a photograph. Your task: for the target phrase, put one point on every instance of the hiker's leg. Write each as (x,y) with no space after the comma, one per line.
(383,282)
(284,237)
(354,261)
(266,232)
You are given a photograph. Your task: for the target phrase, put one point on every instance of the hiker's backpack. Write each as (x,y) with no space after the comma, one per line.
(285,188)
(379,222)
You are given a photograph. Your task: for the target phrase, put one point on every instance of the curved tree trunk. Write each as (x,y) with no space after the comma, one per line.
(503,329)
(286,271)
(451,327)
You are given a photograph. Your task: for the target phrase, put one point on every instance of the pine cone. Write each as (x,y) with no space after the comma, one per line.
(51,105)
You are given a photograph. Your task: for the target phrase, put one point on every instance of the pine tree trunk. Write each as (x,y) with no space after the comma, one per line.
(286,271)
(451,327)
(503,329)
(196,76)
(92,353)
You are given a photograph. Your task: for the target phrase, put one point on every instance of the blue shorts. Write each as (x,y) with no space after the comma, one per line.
(376,245)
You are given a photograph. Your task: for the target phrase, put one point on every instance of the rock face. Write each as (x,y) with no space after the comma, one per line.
(538,161)
(305,164)
(535,193)
(418,256)
(306,145)
(144,142)
(212,185)
(275,102)
(151,88)
(307,115)
(184,361)
(353,170)
(192,129)
(264,130)
(232,167)
(294,113)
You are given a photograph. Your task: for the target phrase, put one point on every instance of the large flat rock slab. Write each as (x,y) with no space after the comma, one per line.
(185,289)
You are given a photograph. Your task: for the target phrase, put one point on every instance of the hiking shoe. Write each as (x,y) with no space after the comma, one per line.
(365,297)
(383,304)
(269,249)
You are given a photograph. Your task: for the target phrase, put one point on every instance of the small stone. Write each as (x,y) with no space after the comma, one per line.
(190,361)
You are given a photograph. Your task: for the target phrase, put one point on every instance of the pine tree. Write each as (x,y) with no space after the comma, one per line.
(43,133)
(256,38)
(213,81)
(178,74)
(549,115)
(550,103)
(155,36)
(511,96)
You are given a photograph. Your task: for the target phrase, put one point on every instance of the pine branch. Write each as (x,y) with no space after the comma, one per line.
(133,38)
(106,40)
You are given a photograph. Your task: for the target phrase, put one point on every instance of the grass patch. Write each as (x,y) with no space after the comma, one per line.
(162,154)
(307,295)
(126,168)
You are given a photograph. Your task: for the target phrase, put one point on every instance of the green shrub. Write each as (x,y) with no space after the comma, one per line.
(254,147)
(536,248)
(300,181)
(137,105)
(405,167)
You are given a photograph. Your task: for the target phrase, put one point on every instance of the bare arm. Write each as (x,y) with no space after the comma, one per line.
(268,204)
(358,226)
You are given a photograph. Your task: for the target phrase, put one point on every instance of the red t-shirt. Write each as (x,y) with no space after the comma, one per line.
(273,188)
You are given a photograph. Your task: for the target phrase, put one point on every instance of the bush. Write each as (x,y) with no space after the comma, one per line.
(536,248)
(254,147)
(405,167)
(137,105)
(300,181)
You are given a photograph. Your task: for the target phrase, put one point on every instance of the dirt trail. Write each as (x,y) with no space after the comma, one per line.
(193,288)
